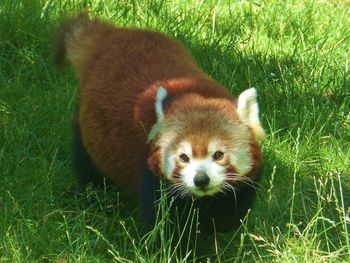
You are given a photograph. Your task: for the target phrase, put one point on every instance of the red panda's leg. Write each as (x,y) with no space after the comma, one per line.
(149,194)
(85,170)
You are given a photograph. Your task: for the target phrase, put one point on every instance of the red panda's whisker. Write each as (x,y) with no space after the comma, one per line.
(165,188)
(159,200)
(181,190)
(185,192)
(226,186)
(243,179)
(240,178)
(168,186)
(235,174)
(172,191)
(231,187)
(247,179)
(225,189)
(174,188)
(249,183)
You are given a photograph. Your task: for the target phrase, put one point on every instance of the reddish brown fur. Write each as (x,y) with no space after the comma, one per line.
(120,71)
(256,155)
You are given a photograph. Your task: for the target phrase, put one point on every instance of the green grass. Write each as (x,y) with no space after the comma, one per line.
(297,55)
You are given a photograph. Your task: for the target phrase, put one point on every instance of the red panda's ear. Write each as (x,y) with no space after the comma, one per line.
(162,102)
(167,102)
(248,112)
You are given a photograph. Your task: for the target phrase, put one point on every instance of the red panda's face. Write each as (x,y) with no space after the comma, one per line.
(205,164)
(204,147)
(200,173)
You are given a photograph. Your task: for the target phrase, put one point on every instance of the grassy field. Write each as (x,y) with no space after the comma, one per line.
(297,55)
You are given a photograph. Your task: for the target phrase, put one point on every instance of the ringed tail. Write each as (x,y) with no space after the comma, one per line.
(72,37)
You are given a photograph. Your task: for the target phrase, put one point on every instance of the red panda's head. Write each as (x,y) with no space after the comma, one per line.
(206,145)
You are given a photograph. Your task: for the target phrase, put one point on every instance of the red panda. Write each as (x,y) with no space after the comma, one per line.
(147,111)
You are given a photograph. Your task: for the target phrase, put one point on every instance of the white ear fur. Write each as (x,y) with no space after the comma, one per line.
(248,112)
(160,97)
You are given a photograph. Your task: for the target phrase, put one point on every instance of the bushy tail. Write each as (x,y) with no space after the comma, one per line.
(70,39)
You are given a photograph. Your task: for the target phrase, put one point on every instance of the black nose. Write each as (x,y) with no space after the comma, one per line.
(201,179)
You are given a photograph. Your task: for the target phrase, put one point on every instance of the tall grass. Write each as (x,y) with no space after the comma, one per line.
(297,55)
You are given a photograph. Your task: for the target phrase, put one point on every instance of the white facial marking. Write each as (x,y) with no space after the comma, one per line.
(214,147)
(248,111)
(160,97)
(239,156)
(170,159)
(241,160)
(215,173)
(169,165)
(186,148)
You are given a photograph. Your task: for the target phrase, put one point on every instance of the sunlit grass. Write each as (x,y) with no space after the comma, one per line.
(297,55)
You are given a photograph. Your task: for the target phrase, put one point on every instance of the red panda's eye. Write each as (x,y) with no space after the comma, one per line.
(218,155)
(184,158)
